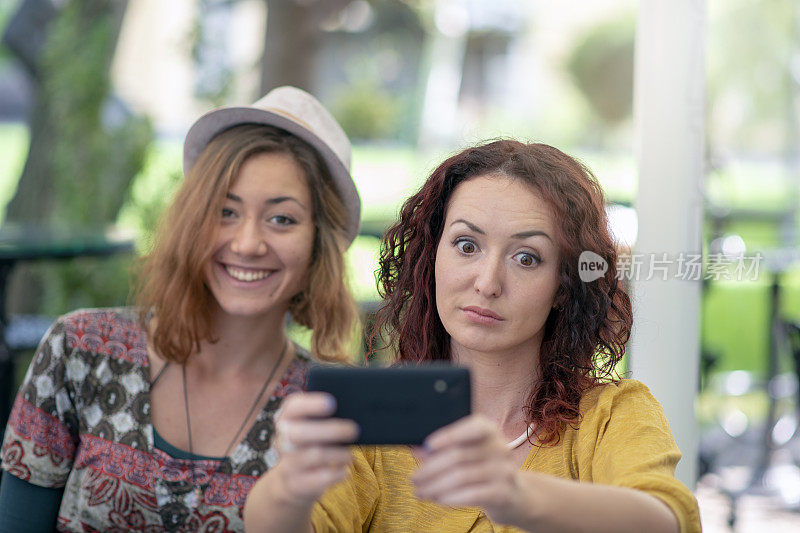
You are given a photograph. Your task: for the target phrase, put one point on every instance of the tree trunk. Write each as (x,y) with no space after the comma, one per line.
(292,41)
(79,165)
(33,200)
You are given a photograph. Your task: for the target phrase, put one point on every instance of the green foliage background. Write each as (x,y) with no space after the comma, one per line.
(84,156)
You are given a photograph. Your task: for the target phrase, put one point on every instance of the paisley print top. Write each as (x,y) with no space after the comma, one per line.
(81,421)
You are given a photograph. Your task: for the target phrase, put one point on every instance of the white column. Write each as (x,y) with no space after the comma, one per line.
(445,54)
(669,97)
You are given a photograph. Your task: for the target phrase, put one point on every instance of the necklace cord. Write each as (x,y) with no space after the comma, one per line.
(246,418)
(159,374)
(516,443)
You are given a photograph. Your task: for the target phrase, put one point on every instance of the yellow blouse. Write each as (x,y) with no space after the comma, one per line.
(623,440)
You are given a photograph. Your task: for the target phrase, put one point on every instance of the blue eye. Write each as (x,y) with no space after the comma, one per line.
(527,259)
(466,246)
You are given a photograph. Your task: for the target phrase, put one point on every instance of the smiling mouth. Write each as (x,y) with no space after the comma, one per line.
(246,275)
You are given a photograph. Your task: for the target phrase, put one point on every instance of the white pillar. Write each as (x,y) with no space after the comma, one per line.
(669,97)
(446,48)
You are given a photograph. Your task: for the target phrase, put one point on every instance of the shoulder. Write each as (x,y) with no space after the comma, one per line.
(103,321)
(87,350)
(303,355)
(115,332)
(622,393)
(625,403)
(295,377)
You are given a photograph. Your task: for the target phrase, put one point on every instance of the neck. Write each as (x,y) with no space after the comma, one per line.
(501,383)
(243,345)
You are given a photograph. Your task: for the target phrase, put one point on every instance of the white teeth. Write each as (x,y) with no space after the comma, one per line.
(246,275)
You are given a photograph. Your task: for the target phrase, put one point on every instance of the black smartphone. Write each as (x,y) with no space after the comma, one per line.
(396,405)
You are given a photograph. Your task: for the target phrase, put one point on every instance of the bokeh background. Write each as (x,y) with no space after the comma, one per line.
(96,96)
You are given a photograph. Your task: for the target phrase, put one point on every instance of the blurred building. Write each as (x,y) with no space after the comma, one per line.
(444,73)
(174,56)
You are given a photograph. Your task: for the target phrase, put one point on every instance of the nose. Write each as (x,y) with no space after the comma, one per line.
(248,239)
(489,278)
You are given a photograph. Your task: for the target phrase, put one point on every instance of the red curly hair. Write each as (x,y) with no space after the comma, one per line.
(585,335)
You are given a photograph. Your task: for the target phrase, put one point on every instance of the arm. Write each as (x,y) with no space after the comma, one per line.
(269,507)
(25,507)
(313,457)
(42,432)
(551,505)
(467,464)
(623,449)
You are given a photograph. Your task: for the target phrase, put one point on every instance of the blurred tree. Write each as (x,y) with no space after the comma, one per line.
(84,152)
(366,111)
(370,68)
(601,63)
(753,74)
(363,50)
(756,94)
(293,39)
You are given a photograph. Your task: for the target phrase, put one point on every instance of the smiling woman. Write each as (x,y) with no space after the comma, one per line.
(265,241)
(160,416)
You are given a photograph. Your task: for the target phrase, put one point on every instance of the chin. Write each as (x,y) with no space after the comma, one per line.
(477,342)
(244,310)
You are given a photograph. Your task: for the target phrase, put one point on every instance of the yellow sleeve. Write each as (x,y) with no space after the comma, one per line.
(625,440)
(350,505)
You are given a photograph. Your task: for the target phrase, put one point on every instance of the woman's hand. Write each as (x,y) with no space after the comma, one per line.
(313,456)
(312,446)
(467,463)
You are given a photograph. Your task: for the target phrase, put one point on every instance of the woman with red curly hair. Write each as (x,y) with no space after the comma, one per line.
(482,270)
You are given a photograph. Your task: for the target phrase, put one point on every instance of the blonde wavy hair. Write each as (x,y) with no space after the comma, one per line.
(171,285)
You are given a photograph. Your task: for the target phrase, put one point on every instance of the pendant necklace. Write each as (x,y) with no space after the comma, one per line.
(516,443)
(197,494)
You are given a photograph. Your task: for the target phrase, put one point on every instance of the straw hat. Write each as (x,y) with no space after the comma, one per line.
(299,113)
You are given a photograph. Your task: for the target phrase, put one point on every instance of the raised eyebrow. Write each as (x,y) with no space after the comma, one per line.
(531,233)
(520,235)
(470,225)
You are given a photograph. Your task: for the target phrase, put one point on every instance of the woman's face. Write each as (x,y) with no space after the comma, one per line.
(497,270)
(265,238)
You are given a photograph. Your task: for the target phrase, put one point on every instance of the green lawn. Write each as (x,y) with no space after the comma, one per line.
(13,150)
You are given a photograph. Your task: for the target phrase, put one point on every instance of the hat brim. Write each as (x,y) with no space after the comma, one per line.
(215,122)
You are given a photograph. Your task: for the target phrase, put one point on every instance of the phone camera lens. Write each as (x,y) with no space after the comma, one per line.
(440,385)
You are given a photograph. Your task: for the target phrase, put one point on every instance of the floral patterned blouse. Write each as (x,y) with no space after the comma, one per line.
(81,421)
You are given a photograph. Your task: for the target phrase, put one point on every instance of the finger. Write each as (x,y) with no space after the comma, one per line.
(470,429)
(303,405)
(419,453)
(316,432)
(319,457)
(484,496)
(458,479)
(313,483)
